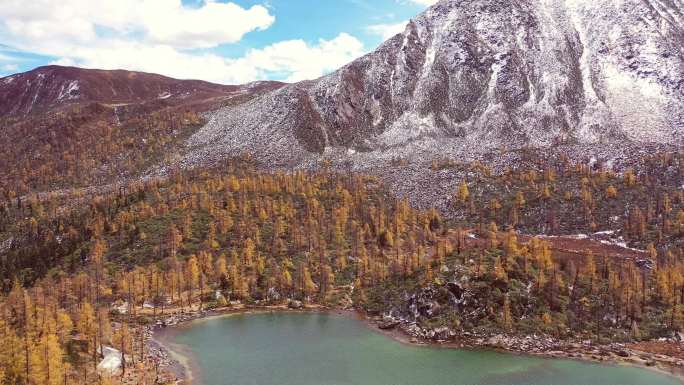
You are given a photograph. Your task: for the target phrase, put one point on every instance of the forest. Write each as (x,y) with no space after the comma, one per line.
(89,144)
(92,269)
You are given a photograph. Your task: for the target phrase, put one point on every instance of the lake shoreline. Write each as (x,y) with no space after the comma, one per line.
(181,364)
(596,354)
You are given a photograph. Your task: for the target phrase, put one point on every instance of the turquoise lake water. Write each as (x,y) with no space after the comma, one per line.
(327,349)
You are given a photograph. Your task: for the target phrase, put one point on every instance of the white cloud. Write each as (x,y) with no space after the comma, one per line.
(158,21)
(303,61)
(386,31)
(208,26)
(294,60)
(163,36)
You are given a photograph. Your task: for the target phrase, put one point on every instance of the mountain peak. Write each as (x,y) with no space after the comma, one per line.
(471,75)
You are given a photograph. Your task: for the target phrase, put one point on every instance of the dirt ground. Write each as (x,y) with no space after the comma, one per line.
(570,247)
(672,349)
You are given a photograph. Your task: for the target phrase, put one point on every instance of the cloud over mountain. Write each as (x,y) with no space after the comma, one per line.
(166,37)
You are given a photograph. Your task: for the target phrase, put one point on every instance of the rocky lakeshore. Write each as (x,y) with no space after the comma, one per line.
(172,370)
(538,345)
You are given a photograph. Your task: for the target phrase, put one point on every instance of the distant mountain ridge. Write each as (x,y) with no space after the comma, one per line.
(50,87)
(469,75)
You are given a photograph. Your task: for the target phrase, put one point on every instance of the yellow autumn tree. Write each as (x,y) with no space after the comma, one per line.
(463,193)
(499,270)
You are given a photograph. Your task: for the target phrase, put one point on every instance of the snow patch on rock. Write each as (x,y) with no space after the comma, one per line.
(69,91)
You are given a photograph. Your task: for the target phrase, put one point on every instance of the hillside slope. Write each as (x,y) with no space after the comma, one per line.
(63,127)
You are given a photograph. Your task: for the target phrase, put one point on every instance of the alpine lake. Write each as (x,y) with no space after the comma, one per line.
(330,349)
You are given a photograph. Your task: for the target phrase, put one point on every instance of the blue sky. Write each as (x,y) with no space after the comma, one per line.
(324,19)
(217,40)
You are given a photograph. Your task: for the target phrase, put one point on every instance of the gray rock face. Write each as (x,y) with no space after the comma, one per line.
(481,74)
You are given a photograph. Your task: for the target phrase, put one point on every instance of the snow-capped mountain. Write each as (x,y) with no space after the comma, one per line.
(474,74)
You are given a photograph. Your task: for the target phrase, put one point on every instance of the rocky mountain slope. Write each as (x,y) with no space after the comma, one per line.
(469,76)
